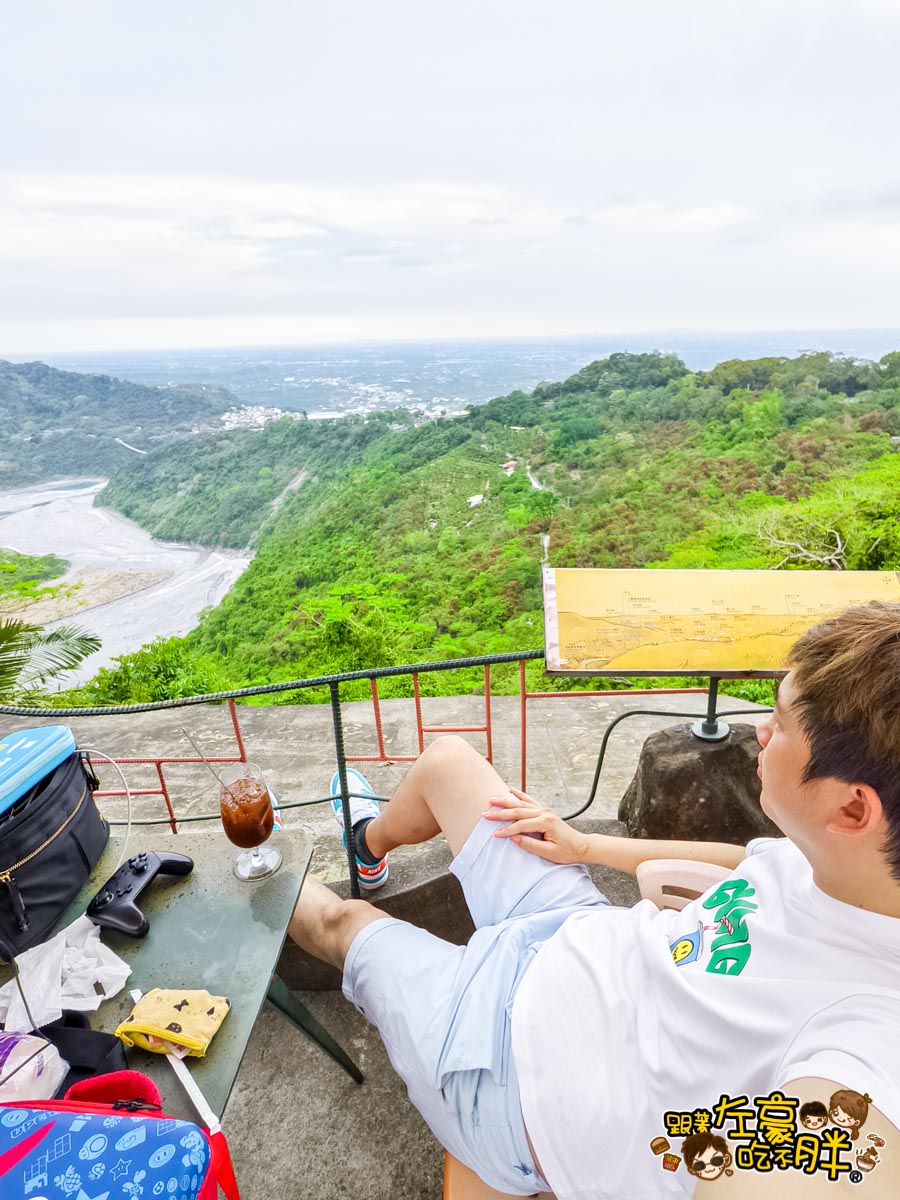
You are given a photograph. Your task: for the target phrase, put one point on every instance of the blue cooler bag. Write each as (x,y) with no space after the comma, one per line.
(51,832)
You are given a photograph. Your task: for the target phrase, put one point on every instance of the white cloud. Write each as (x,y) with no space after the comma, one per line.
(425,169)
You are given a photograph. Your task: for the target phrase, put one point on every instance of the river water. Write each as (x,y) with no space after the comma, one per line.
(60,518)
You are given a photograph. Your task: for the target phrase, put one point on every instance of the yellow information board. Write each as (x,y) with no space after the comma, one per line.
(639,622)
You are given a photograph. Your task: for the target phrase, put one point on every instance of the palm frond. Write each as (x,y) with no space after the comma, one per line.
(30,655)
(16,638)
(57,650)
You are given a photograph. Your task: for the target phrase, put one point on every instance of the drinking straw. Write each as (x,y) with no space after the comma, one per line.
(203,757)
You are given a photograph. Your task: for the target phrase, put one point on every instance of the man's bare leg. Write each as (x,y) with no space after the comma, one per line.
(324,925)
(446,790)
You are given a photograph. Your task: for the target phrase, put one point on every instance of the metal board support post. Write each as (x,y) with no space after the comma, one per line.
(289,1004)
(711,729)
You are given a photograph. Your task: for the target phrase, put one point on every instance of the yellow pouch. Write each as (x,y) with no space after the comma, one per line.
(165,1017)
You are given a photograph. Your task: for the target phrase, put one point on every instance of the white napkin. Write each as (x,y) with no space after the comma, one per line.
(73,970)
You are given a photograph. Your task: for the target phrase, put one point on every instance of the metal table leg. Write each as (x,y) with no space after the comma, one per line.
(291,1006)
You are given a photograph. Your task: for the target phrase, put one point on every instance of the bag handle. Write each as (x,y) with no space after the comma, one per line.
(116,1086)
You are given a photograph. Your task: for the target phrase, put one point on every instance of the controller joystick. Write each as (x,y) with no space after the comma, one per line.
(115,905)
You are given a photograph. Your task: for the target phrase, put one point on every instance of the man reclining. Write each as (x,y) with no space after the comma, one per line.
(575,1047)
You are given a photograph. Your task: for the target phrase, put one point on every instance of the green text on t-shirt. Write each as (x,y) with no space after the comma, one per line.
(730,949)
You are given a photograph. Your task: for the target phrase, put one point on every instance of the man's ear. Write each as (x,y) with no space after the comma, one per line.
(860,811)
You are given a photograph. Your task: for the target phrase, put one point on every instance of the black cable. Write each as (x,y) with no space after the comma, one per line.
(271,689)
(281,806)
(649,712)
(349,837)
(9,959)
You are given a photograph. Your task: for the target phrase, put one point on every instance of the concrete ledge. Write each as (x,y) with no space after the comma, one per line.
(421,890)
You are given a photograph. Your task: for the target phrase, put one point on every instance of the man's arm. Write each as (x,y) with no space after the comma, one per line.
(627,854)
(543,832)
(877,1138)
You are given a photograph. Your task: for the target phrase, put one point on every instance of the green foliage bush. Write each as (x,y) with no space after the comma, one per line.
(22,576)
(166,669)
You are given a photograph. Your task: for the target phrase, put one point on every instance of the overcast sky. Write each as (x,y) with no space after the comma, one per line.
(223,173)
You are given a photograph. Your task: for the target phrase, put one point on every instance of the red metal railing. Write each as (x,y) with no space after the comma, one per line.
(161,761)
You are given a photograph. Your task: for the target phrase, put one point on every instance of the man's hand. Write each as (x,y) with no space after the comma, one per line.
(537,829)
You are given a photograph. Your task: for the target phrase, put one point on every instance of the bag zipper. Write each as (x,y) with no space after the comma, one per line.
(15,896)
(100,1108)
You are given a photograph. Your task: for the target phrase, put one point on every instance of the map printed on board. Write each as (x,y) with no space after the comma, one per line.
(665,622)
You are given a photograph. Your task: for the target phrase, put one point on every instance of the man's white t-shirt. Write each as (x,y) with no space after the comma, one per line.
(629,1014)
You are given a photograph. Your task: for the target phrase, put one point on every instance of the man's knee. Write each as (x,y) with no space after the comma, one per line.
(344,920)
(447,752)
(350,913)
(325,925)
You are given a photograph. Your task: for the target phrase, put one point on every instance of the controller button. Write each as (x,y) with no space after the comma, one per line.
(103,899)
(140,865)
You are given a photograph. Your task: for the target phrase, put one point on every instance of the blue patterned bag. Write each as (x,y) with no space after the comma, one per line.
(89,1149)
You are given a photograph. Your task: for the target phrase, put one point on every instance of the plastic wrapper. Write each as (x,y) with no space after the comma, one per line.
(30,1068)
(73,971)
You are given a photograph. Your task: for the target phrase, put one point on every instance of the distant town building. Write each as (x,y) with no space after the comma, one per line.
(250,416)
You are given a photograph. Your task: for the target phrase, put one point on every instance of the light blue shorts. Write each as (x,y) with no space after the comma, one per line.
(443,1011)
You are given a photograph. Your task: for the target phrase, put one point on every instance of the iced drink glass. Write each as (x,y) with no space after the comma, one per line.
(247,819)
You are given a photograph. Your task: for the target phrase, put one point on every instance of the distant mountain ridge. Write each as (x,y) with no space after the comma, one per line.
(61,423)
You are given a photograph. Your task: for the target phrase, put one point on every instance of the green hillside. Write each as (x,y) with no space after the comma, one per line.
(56,424)
(379,551)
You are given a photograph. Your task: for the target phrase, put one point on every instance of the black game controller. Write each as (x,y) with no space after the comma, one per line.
(115,907)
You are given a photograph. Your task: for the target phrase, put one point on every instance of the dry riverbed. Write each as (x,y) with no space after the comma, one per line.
(83,589)
(122,585)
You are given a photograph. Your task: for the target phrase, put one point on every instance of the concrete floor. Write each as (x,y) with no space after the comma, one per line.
(299,1128)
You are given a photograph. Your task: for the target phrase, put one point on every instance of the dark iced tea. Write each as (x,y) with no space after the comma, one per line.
(247,816)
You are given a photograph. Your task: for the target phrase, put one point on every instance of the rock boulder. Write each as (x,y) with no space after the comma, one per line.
(695,790)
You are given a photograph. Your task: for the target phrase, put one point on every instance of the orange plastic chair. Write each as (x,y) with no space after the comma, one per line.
(675,882)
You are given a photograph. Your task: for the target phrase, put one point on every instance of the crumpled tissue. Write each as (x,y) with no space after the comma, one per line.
(74,970)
